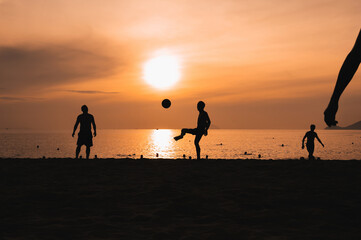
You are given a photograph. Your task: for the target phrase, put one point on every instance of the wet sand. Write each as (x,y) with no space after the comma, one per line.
(179,199)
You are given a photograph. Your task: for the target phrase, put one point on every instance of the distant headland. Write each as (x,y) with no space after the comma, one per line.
(355,126)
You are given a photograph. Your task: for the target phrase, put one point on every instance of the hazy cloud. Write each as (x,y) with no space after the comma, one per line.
(28,67)
(91,92)
(18,99)
(12,98)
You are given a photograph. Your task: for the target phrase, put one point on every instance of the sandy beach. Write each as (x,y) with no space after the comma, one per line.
(179,199)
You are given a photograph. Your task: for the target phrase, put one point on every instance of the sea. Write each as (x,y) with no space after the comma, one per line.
(159,143)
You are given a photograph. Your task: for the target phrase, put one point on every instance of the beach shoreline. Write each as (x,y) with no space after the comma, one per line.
(180,199)
(177,159)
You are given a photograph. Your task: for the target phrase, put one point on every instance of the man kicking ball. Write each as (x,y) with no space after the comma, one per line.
(203,124)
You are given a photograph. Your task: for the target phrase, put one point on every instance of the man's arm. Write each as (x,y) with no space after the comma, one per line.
(319,140)
(208,123)
(347,71)
(75,126)
(94,127)
(303,141)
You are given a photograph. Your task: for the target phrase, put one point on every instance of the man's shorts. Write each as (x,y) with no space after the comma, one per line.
(85,139)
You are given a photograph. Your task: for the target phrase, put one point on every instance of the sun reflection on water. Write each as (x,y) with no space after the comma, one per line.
(162,142)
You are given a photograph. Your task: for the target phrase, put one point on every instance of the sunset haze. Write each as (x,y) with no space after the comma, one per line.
(256,64)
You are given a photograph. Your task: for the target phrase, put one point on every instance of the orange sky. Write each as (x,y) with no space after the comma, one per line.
(256,64)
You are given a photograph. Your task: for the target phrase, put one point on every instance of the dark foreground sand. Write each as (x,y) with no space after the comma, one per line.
(179,199)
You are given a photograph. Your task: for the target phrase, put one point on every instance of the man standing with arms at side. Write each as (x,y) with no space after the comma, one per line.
(85,134)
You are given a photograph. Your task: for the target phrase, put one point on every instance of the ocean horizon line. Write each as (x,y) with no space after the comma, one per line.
(70,129)
(175,159)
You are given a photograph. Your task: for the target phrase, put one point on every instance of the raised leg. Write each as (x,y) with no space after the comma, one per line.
(184,132)
(347,71)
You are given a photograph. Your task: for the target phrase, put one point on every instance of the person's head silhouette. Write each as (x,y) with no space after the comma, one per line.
(312,127)
(200,105)
(84,109)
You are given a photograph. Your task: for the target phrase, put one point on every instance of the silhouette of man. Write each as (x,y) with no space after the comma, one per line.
(85,134)
(347,71)
(311,135)
(203,124)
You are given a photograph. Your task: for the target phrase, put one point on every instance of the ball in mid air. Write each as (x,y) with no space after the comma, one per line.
(166,103)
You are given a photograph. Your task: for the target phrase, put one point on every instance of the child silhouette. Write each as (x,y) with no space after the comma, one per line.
(203,124)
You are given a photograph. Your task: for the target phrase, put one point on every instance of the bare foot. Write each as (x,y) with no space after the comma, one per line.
(178,137)
(330,115)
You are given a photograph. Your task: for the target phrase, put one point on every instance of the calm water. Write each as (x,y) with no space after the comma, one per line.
(226,144)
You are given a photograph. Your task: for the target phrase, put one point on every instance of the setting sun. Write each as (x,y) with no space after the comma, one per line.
(162,72)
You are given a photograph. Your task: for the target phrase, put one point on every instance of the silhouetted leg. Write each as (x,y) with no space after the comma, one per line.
(77,151)
(310,149)
(184,132)
(87,152)
(347,71)
(196,142)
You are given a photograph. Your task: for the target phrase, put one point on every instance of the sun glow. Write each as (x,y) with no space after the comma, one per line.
(162,143)
(162,138)
(162,72)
